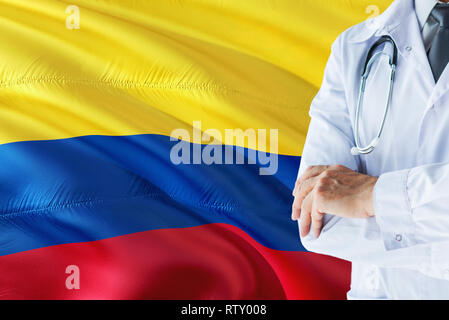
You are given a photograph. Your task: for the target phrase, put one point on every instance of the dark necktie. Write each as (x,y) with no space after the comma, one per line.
(439,50)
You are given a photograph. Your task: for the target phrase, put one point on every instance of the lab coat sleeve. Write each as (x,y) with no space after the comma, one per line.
(409,229)
(412,209)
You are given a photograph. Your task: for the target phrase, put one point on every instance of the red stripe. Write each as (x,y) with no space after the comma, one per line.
(215,261)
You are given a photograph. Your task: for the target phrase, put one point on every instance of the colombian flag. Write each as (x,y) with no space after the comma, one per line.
(90,95)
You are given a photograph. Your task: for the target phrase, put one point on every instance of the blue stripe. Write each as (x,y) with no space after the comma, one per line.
(96,187)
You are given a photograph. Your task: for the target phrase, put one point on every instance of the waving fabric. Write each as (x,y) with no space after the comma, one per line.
(90,93)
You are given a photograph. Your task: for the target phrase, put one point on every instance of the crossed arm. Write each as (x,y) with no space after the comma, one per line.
(335,190)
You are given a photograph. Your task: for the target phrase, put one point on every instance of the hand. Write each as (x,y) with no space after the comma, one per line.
(335,190)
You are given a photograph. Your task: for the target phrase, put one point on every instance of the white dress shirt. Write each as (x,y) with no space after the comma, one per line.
(423,9)
(403,251)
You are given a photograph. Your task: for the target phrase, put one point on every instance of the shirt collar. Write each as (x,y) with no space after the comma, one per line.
(423,9)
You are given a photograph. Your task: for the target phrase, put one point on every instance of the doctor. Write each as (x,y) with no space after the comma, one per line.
(386,211)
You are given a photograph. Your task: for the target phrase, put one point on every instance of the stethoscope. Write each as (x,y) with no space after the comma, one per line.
(370,58)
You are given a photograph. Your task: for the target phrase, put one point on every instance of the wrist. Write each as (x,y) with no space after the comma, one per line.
(370,196)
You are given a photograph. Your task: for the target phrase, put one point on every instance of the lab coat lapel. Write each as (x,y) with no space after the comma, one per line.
(408,38)
(440,89)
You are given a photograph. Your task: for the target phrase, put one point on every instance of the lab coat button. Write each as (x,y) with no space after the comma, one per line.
(398,237)
(408,48)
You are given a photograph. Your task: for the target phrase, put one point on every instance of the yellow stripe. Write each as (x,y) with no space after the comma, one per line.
(143,66)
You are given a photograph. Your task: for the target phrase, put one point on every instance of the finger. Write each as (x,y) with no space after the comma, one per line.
(313,171)
(296,209)
(295,189)
(317,222)
(304,189)
(305,219)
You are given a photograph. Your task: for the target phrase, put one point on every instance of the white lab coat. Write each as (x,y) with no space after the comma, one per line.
(402,252)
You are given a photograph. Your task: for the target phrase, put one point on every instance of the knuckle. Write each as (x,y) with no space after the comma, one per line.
(325,174)
(310,168)
(331,173)
(320,194)
(317,216)
(309,184)
(304,187)
(322,181)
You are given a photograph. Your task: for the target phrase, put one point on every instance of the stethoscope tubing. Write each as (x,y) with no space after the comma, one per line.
(358,149)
